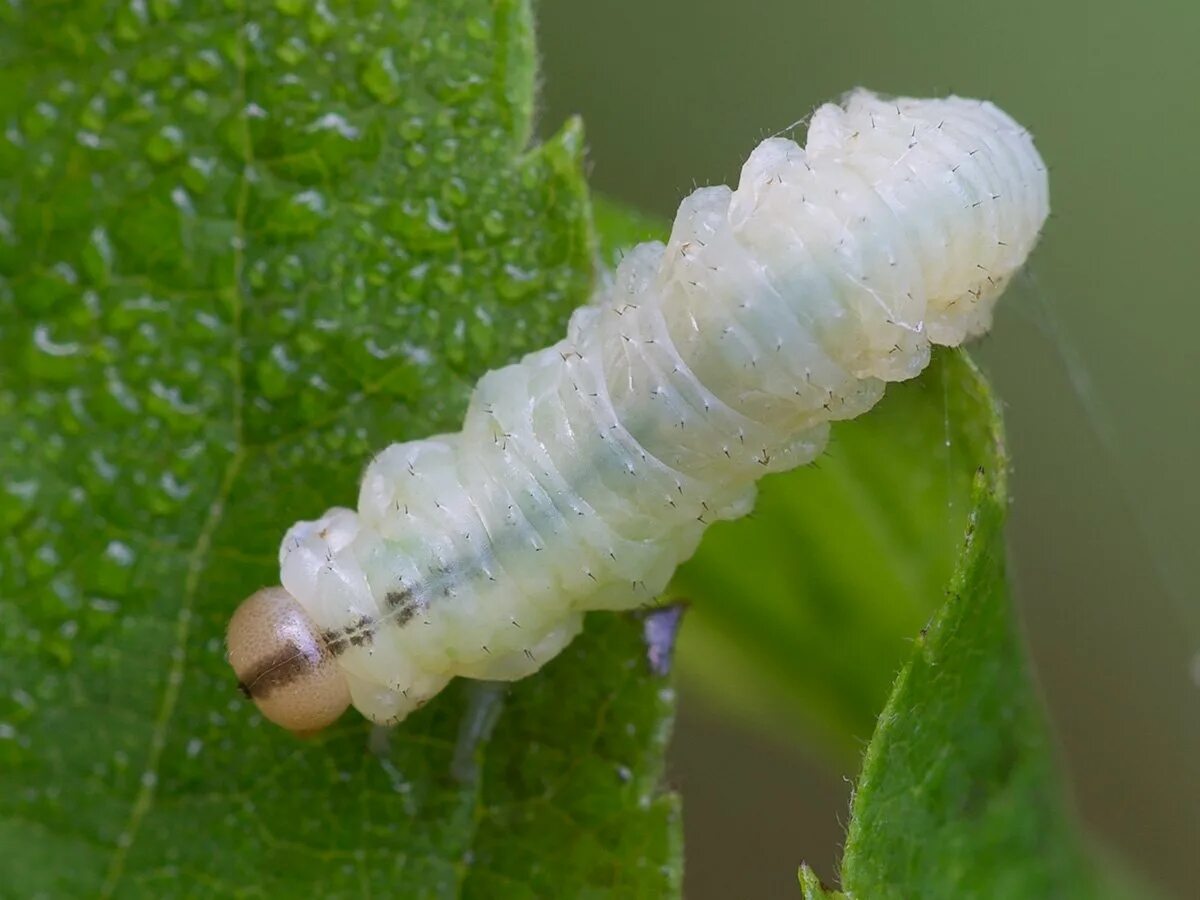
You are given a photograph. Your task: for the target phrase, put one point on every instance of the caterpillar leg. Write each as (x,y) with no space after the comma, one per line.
(486,700)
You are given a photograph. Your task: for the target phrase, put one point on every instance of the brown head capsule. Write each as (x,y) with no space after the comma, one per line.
(283,664)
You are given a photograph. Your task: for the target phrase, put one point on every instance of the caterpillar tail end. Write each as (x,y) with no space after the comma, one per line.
(283,664)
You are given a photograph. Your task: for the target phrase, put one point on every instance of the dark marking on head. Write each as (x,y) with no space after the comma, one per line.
(283,664)
(291,663)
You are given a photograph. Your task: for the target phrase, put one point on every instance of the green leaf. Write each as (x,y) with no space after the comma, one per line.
(958,796)
(812,889)
(243,247)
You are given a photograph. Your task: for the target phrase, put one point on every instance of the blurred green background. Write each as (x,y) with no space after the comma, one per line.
(1094,354)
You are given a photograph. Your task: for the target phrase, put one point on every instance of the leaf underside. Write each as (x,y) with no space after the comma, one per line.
(958,794)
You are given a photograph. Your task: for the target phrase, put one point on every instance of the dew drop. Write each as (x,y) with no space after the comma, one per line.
(164,10)
(321,23)
(43,341)
(38,120)
(435,220)
(292,51)
(479,28)
(336,123)
(113,570)
(412,128)
(165,145)
(303,212)
(97,257)
(380,77)
(131,20)
(198,173)
(17,500)
(203,67)
(494,224)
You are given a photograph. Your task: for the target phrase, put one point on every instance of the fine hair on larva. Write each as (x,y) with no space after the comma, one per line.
(586,472)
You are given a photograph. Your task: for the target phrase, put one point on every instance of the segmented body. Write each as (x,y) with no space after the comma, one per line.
(585,473)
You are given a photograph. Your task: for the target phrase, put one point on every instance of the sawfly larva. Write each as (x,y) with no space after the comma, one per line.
(586,472)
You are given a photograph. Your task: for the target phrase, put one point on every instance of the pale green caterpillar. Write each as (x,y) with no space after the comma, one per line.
(585,473)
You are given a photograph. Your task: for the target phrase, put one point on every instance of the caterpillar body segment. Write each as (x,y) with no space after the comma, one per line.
(586,472)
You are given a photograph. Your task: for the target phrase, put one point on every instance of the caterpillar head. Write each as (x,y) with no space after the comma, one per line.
(283,664)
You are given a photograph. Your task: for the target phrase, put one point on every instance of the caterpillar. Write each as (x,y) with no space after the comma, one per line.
(587,471)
